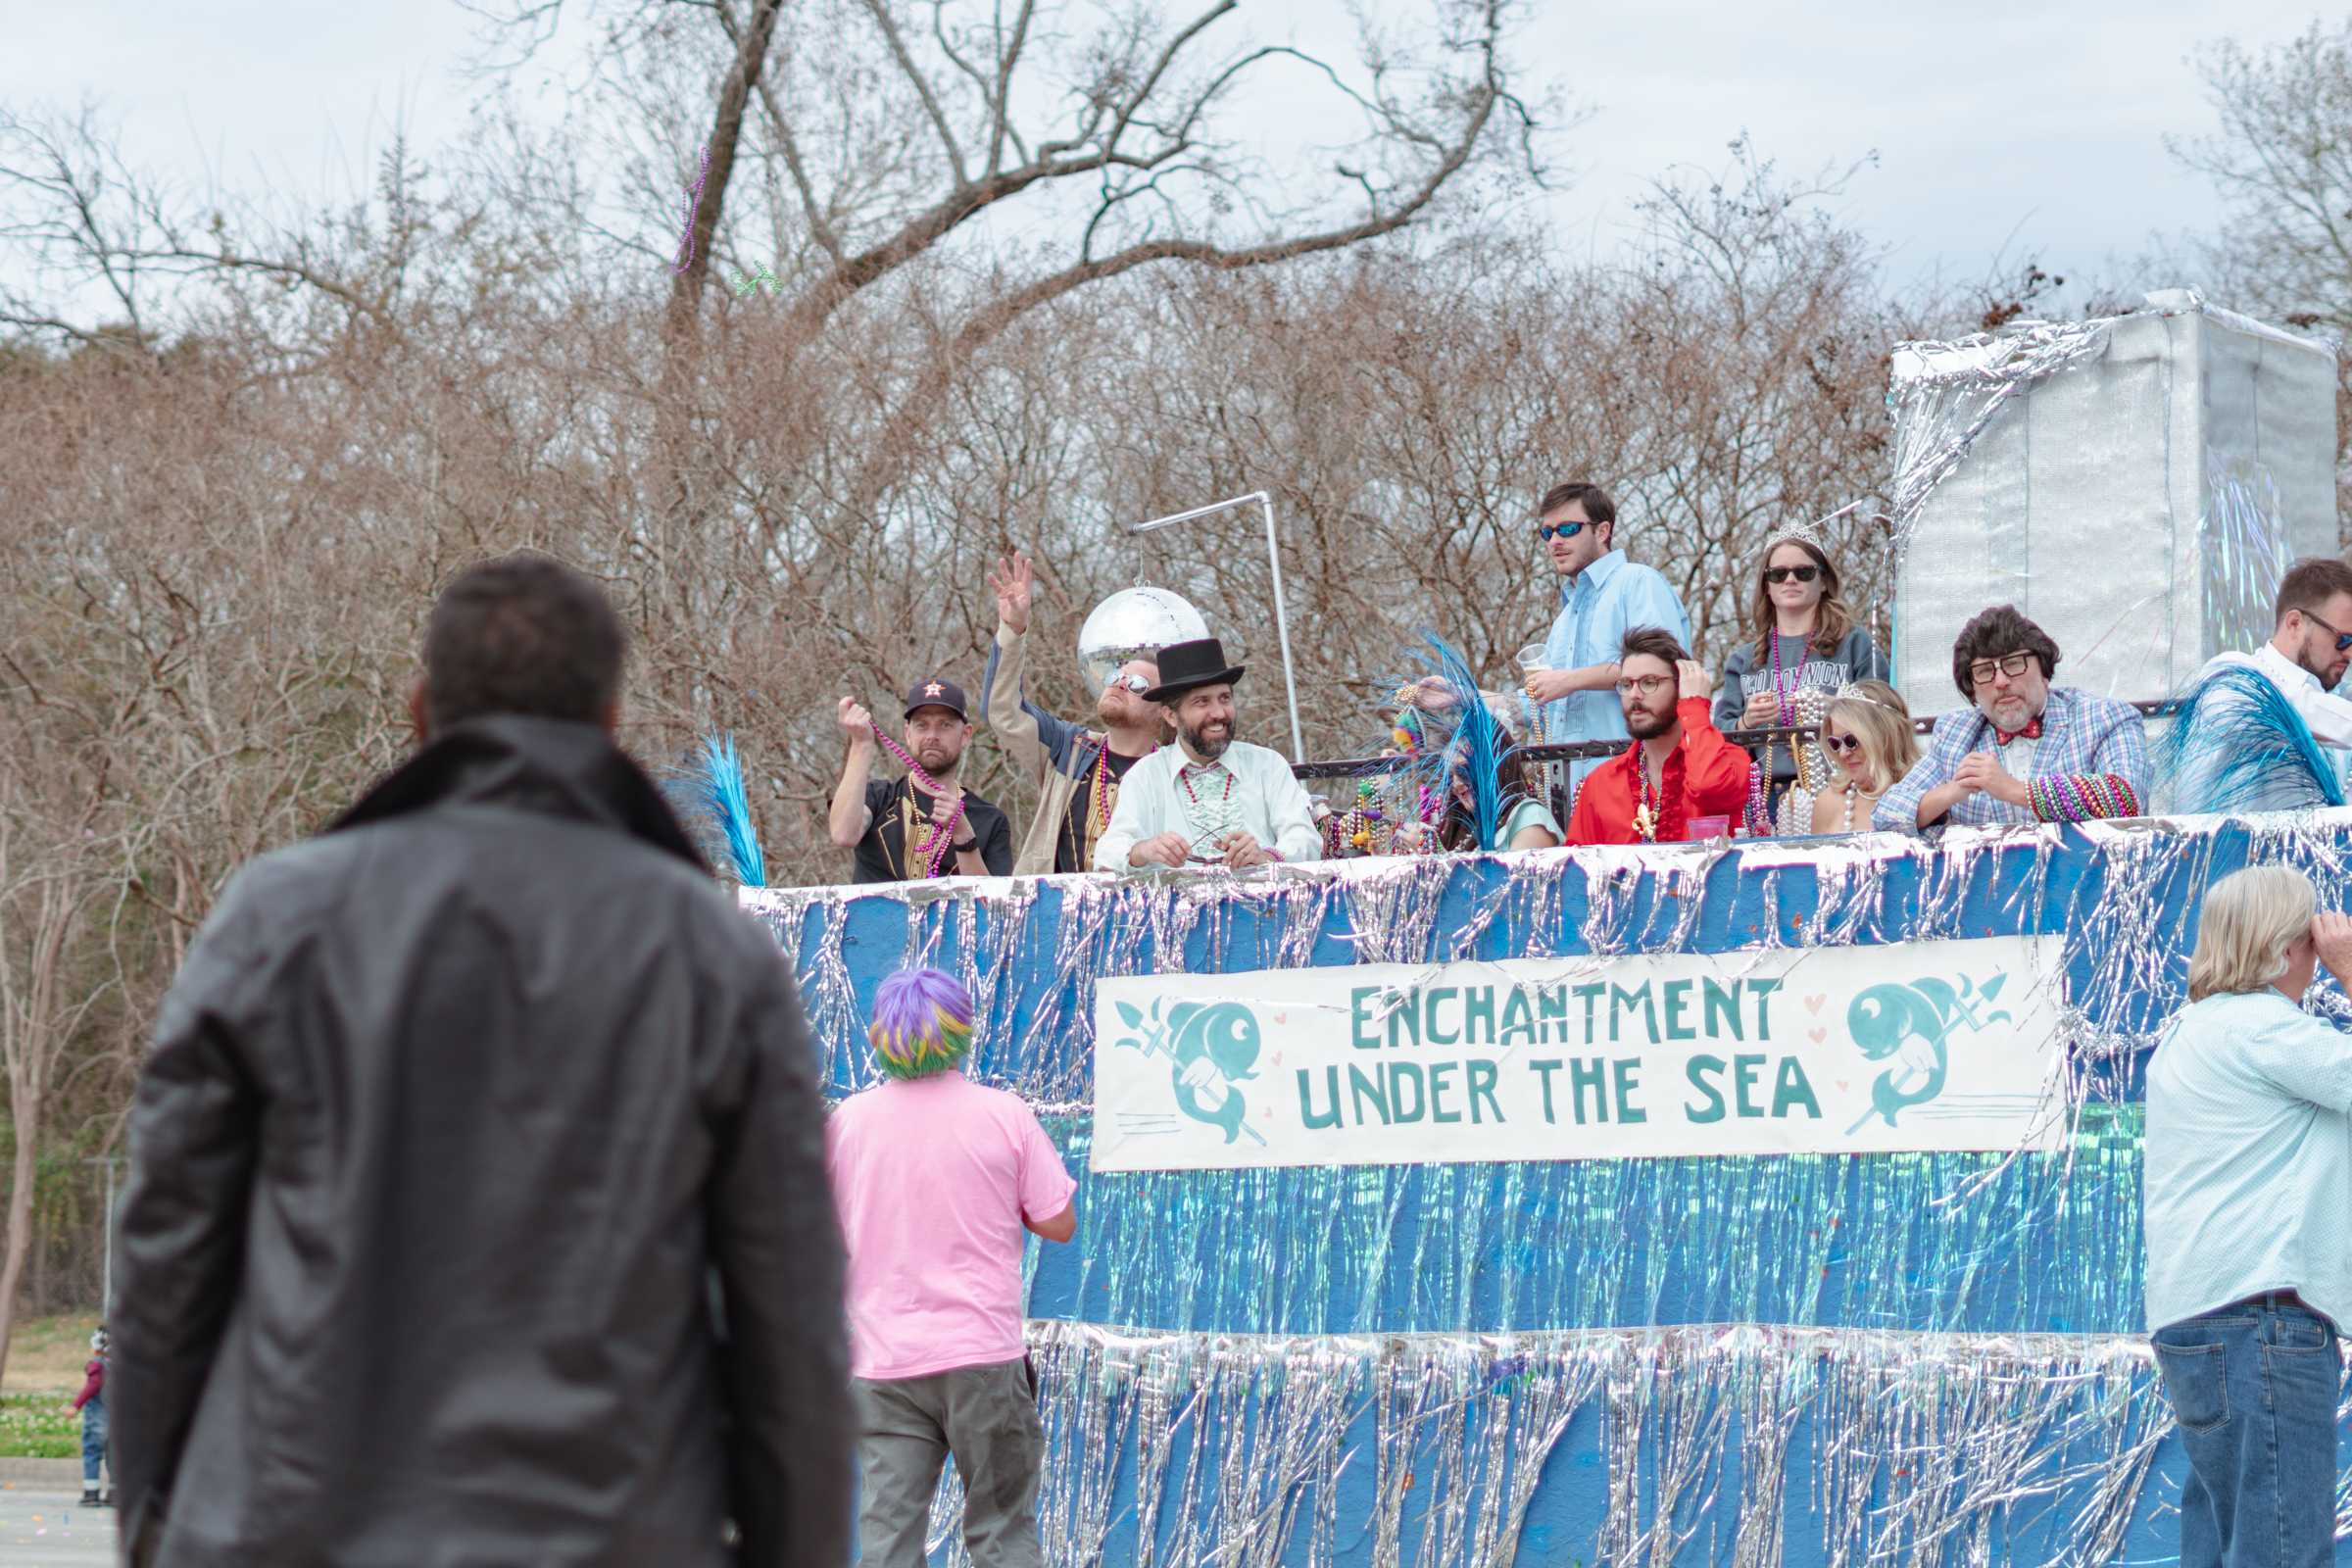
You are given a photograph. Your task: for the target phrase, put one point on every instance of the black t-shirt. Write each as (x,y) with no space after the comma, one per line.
(1074,850)
(882,853)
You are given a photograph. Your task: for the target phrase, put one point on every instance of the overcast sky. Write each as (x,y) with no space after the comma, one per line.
(2034,126)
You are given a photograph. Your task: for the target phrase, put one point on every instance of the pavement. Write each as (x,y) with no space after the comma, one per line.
(45,1526)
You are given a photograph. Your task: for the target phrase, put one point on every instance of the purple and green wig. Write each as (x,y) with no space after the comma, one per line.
(922,1023)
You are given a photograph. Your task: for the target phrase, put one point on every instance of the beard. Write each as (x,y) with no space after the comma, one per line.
(1204,744)
(938,758)
(1646,722)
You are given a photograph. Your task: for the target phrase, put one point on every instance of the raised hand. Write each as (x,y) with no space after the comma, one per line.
(853,718)
(1014,583)
(1695,681)
(2331,935)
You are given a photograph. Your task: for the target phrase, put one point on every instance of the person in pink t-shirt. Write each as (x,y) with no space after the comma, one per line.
(935,1179)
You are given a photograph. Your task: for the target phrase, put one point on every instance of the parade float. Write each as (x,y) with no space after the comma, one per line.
(1753,1201)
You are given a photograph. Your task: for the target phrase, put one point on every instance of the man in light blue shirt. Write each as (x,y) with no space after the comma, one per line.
(2247,1202)
(1602,596)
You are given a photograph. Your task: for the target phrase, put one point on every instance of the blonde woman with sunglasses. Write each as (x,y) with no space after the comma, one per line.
(1868,737)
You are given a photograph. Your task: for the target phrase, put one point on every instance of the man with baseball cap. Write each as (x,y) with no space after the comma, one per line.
(1209,798)
(925,824)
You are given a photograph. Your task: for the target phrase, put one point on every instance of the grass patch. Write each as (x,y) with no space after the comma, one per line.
(46,1354)
(38,1426)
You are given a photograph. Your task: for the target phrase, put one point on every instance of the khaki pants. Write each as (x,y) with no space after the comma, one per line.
(986,1416)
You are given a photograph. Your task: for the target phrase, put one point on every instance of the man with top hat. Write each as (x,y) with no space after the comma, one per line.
(1209,798)
(925,824)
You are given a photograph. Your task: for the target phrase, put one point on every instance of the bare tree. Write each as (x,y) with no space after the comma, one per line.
(2282,163)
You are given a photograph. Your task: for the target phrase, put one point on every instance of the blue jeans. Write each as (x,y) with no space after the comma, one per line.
(2253,1388)
(93,1440)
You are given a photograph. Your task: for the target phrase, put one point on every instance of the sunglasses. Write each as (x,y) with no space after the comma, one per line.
(1134,683)
(2343,639)
(2013,665)
(1838,745)
(1791,573)
(1566,531)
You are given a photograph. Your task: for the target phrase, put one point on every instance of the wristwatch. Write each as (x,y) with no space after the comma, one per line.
(966,846)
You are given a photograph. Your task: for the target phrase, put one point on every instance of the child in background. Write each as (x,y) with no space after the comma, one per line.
(91,1403)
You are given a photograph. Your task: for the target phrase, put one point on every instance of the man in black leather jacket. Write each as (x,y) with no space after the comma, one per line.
(478,1209)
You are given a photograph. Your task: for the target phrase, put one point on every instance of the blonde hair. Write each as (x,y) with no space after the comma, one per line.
(2249,920)
(1873,712)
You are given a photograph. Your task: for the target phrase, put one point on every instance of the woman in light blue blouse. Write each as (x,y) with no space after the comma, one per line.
(2248,1203)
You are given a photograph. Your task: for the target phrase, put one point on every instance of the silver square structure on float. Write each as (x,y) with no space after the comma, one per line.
(2135,484)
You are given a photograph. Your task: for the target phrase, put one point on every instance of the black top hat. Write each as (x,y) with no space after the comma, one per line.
(1185,665)
(937,692)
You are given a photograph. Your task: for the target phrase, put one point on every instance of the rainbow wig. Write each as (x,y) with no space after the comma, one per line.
(922,1023)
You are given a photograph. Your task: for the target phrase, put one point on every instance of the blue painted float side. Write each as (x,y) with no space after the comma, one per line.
(1553,1350)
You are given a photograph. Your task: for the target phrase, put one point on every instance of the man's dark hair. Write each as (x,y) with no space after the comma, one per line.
(1597,504)
(521,634)
(1655,641)
(2311,583)
(1994,634)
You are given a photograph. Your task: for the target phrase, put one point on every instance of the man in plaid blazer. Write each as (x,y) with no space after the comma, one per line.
(2027,750)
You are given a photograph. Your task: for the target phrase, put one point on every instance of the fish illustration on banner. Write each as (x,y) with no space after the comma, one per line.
(1214,1048)
(1910,1023)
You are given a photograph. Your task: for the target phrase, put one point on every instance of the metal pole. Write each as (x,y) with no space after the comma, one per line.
(1281,618)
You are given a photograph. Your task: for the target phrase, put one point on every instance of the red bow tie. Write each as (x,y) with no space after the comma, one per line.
(2031,732)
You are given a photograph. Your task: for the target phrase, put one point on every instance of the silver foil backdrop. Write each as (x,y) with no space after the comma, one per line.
(2136,484)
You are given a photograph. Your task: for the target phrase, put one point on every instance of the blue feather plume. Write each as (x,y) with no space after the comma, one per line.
(710,792)
(2238,745)
(1477,749)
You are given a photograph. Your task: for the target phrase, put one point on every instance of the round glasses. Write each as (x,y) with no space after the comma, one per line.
(1644,684)
(1565,530)
(1839,745)
(1791,573)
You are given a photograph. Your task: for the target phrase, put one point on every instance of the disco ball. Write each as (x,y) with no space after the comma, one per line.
(1134,623)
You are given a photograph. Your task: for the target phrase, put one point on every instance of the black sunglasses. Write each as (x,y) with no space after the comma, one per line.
(1566,531)
(1784,573)
(1841,743)
(2343,639)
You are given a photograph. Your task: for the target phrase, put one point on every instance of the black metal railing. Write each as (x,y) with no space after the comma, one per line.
(1574,751)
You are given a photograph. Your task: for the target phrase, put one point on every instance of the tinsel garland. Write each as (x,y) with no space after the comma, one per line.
(1803,1359)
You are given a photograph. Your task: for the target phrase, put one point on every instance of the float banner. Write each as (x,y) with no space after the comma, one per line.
(1916,1046)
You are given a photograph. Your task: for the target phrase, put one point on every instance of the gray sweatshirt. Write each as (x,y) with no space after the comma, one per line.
(1743,674)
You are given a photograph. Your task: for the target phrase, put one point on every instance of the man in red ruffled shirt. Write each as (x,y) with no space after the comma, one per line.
(1678,767)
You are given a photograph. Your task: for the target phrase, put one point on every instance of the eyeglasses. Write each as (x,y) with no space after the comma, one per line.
(2343,639)
(1980,672)
(1838,745)
(1644,684)
(1791,573)
(1134,683)
(1566,531)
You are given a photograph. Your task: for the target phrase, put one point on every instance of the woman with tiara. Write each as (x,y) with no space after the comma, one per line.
(1867,735)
